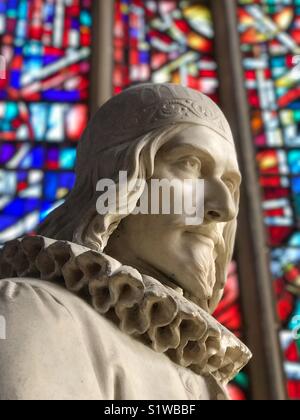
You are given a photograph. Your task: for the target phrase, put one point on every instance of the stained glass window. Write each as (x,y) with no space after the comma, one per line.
(270,42)
(45,45)
(164,41)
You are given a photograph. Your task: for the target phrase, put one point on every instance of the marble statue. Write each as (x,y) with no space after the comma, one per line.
(119,306)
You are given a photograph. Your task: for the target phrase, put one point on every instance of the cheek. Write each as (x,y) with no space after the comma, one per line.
(166,170)
(158,232)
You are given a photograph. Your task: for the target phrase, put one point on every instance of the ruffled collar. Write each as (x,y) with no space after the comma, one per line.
(142,307)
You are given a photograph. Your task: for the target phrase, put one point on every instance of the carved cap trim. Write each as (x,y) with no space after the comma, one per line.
(141,306)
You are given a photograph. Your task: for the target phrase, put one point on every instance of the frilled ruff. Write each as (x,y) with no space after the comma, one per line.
(141,306)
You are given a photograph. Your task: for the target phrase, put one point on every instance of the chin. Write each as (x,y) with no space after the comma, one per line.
(197,273)
(202,281)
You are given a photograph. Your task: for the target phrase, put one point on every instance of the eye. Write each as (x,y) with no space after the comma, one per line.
(230,184)
(191,164)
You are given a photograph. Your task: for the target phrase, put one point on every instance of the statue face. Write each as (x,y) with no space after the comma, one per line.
(163,245)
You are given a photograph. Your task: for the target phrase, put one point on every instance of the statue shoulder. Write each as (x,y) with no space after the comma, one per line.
(39,338)
(25,300)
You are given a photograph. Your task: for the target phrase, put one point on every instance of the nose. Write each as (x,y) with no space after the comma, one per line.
(219,203)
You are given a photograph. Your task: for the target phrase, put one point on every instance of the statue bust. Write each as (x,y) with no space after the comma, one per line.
(119,305)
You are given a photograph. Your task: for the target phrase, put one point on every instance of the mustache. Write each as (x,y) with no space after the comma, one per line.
(209,232)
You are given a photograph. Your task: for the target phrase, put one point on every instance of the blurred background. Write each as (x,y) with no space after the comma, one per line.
(61,59)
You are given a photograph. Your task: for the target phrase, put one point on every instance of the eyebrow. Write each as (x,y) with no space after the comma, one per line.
(188,150)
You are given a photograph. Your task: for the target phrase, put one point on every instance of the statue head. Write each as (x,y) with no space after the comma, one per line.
(159,132)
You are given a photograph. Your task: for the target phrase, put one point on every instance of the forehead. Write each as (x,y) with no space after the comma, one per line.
(201,139)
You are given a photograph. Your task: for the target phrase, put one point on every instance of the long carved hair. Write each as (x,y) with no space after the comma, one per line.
(77,220)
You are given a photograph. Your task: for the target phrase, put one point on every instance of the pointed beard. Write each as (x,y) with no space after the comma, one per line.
(201,272)
(205,272)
